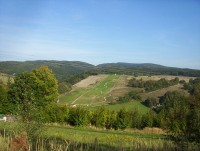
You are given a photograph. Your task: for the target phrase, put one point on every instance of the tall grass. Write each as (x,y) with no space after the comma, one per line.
(58,144)
(56,138)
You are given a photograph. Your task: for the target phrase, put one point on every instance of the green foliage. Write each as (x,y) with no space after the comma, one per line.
(136,119)
(175,112)
(145,69)
(193,86)
(110,119)
(33,91)
(180,114)
(61,69)
(4,104)
(150,102)
(55,113)
(151,85)
(63,87)
(129,97)
(46,85)
(79,116)
(123,120)
(99,117)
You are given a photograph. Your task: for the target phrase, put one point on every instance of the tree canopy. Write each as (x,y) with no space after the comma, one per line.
(33,91)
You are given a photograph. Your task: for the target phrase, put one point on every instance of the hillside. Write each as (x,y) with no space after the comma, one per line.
(104,90)
(123,64)
(61,69)
(64,69)
(146,69)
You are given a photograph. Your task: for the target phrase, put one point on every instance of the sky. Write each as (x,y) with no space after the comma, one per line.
(165,32)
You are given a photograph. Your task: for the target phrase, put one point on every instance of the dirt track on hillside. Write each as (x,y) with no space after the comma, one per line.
(91,80)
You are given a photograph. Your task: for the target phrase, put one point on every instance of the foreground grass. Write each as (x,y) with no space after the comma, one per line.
(88,135)
(62,138)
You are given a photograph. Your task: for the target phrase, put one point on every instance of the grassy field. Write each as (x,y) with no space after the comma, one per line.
(62,138)
(133,105)
(93,95)
(109,87)
(92,137)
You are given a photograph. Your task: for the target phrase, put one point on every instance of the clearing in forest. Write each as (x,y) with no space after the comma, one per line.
(96,90)
(103,89)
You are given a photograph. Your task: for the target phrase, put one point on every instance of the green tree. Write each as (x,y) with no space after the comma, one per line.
(3,100)
(175,112)
(79,116)
(123,120)
(150,102)
(193,119)
(136,119)
(32,92)
(99,117)
(110,119)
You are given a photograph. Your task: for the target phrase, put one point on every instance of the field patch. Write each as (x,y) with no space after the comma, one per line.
(91,80)
(96,90)
(133,105)
(101,90)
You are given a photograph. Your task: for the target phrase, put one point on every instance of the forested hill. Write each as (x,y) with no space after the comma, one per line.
(65,69)
(146,69)
(123,64)
(61,69)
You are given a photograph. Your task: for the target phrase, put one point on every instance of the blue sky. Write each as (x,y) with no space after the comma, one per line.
(165,32)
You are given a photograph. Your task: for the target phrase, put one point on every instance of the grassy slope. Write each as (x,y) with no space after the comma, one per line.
(112,87)
(133,105)
(101,93)
(88,135)
(92,95)
(158,93)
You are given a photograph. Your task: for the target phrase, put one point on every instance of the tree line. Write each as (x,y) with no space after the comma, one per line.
(152,85)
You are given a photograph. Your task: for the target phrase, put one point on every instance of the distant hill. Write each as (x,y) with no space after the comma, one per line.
(61,69)
(65,69)
(145,69)
(123,64)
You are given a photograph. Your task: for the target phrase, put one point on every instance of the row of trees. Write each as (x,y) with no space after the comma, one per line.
(152,85)
(100,117)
